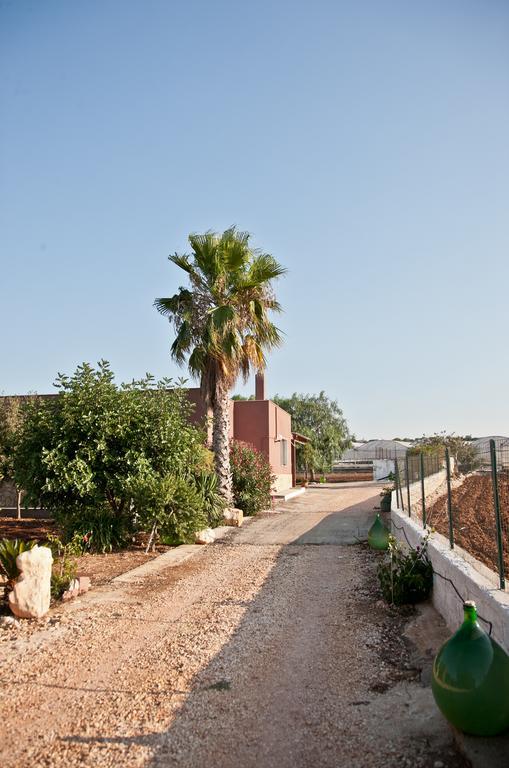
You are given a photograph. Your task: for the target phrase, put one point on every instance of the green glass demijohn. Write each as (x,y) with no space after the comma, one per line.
(378,535)
(470,680)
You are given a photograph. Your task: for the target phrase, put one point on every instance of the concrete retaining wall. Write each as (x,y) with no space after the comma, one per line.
(471,578)
(433,486)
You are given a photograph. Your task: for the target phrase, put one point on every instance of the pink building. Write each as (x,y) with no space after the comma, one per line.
(264,425)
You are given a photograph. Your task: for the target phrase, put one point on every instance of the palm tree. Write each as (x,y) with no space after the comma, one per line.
(222,325)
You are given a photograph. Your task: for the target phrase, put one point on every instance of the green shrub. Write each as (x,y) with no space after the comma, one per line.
(172,506)
(78,451)
(99,529)
(406,577)
(252,478)
(9,551)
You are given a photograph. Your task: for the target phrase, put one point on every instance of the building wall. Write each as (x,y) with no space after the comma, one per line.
(264,424)
(202,416)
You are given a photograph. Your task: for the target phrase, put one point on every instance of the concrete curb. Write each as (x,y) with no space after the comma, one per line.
(169,559)
(290,494)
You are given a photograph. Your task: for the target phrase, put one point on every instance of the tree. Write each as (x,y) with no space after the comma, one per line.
(10,424)
(80,451)
(222,324)
(321,419)
(460,448)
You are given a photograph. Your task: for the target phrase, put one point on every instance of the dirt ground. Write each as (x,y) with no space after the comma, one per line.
(270,648)
(28,528)
(474,518)
(100,568)
(345,477)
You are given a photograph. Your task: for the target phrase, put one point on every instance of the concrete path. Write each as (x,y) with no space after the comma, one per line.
(263,650)
(340,514)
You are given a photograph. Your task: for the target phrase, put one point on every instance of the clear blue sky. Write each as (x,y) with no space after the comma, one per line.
(364,143)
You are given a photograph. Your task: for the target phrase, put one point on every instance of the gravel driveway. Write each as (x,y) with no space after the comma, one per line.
(268,648)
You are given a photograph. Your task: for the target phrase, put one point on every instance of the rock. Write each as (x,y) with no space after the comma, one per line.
(73,590)
(30,596)
(8,622)
(84,582)
(206,536)
(233,517)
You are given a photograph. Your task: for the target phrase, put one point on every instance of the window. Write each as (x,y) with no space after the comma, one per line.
(284,452)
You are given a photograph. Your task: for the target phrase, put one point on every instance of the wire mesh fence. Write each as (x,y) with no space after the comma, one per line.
(468,503)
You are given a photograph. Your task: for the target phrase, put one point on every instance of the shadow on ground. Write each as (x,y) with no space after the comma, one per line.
(295,685)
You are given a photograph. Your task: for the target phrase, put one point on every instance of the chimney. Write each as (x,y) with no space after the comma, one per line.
(260,386)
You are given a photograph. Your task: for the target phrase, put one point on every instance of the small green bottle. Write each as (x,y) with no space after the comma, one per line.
(378,535)
(470,680)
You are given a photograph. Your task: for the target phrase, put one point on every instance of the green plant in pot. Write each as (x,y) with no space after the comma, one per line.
(385,499)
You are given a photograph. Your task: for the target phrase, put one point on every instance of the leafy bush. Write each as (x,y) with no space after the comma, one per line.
(170,506)
(9,551)
(406,577)
(252,478)
(79,451)
(98,529)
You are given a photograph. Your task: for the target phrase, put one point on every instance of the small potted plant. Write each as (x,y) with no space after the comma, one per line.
(385,499)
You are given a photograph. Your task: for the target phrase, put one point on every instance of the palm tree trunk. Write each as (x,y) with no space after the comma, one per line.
(221,444)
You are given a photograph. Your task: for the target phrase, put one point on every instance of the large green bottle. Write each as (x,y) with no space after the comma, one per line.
(378,535)
(470,680)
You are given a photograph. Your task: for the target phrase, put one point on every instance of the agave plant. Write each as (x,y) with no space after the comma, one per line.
(9,551)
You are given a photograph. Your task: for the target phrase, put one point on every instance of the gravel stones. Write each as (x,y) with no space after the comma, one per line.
(248,654)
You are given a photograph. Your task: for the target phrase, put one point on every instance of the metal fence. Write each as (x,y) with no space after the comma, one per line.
(470,508)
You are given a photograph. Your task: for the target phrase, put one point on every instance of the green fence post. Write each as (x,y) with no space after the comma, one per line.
(398,484)
(449,500)
(408,486)
(422,492)
(496,503)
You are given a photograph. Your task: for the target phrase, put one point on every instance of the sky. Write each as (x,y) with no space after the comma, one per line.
(363,143)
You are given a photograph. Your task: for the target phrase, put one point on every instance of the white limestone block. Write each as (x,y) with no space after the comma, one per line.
(233,517)
(31,594)
(206,536)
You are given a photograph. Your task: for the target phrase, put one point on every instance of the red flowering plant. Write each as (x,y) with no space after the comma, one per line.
(252,477)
